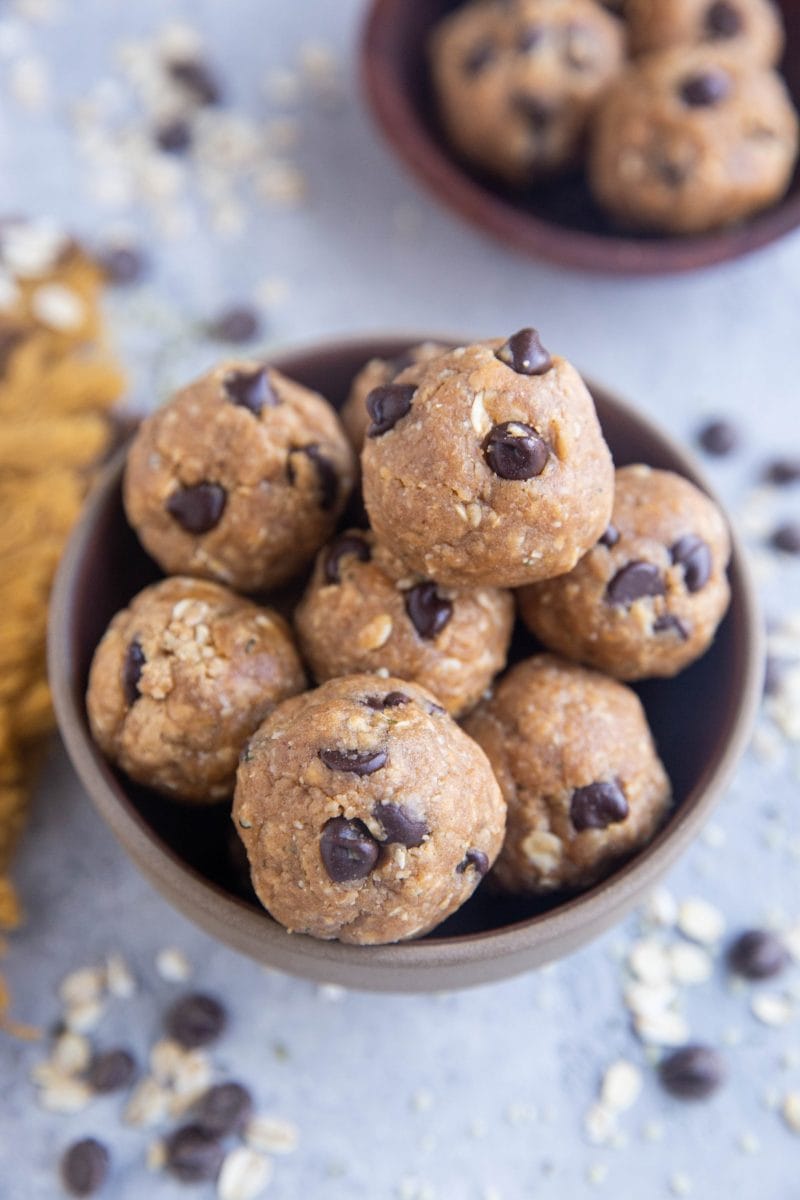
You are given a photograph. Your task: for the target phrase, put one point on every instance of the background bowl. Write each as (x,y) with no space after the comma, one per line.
(557,221)
(701,721)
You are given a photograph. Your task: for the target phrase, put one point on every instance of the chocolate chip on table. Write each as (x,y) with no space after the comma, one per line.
(787,538)
(525,354)
(633,582)
(387,405)
(723,20)
(530,37)
(196,1020)
(400,825)
(122,265)
(197,508)
(694,555)
(132,666)
(224,1108)
(173,137)
(692,1073)
(348,850)
(718,438)
(427,610)
(783,471)
(197,77)
(598,805)
(84,1167)
(669,623)
(539,115)
(515,451)
(392,700)
(610,537)
(111,1071)
(327,476)
(347,544)
(236,324)
(356,762)
(706,88)
(193,1154)
(250,389)
(757,954)
(478,58)
(476,860)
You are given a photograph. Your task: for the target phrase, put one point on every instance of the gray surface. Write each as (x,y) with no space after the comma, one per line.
(725,340)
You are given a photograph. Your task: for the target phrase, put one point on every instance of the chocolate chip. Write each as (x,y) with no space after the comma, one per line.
(787,538)
(706,88)
(530,37)
(198,508)
(224,1108)
(610,537)
(132,666)
(539,115)
(348,850)
(515,451)
(236,324)
(598,805)
(723,20)
(475,859)
(111,1071)
(718,438)
(392,700)
(783,471)
(194,1155)
(122,265)
(399,825)
(387,405)
(327,477)
(667,623)
(173,136)
(692,1073)
(478,58)
(84,1167)
(525,354)
(427,610)
(357,762)
(196,1020)
(634,581)
(672,173)
(694,555)
(758,954)
(347,544)
(197,77)
(250,389)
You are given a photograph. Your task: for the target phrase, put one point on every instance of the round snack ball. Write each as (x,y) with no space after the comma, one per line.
(647,599)
(690,140)
(367,814)
(575,760)
(375,374)
(363,612)
(492,470)
(180,680)
(517,83)
(752,28)
(240,477)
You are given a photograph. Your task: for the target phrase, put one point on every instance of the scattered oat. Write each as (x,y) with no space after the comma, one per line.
(272,1135)
(680,1184)
(71,1053)
(790,1111)
(660,908)
(156,1157)
(748,1143)
(148,1104)
(599,1123)
(244,1175)
(664,1029)
(647,1000)
(690,964)
(622,1085)
(649,961)
(173,965)
(65,1095)
(84,1016)
(119,979)
(86,983)
(772,1008)
(700,921)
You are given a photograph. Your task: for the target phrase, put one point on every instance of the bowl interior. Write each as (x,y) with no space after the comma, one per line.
(559,219)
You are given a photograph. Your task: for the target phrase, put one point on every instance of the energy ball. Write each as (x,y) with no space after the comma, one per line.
(576,763)
(647,599)
(491,470)
(363,612)
(517,83)
(181,679)
(691,140)
(752,28)
(377,373)
(240,477)
(367,814)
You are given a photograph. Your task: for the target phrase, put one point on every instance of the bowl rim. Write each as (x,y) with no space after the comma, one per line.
(457,189)
(239,924)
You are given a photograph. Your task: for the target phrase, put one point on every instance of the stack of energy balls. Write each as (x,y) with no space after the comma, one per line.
(367,812)
(674,107)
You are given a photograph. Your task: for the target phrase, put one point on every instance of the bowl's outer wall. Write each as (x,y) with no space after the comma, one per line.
(397,87)
(102,568)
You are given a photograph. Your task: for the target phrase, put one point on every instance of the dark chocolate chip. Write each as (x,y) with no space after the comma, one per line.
(196,1020)
(387,405)
(392,700)
(250,389)
(427,610)
(348,850)
(478,58)
(173,136)
(84,1167)
(515,451)
(525,354)
(610,537)
(435,710)
(787,538)
(598,805)
(197,77)
(719,438)
(357,762)
(706,88)
(224,1108)
(773,676)
(198,508)
(122,265)
(194,1155)
(692,1073)
(236,324)
(475,859)
(668,623)
(783,471)
(132,666)
(723,20)
(327,477)
(399,825)
(530,37)
(111,1071)
(694,555)
(634,581)
(347,544)
(673,174)
(539,115)
(758,954)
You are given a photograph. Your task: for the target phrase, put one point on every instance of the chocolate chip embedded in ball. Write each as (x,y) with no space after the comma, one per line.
(427,610)
(348,850)
(132,666)
(400,825)
(327,477)
(758,954)
(515,451)
(539,115)
(343,547)
(525,354)
(529,39)
(474,860)
(478,58)
(356,762)
(196,1020)
(111,1071)
(693,1073)
(224,1108)
(668,623)
(723,20)
(392,700)
(694,555)
(250,389)
(598,805)
(706,88)
(193,1154)
(387,405)
(84,1167)
(633,582)
(198,509)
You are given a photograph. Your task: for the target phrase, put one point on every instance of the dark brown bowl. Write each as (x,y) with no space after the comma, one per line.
(558,221)
(701,721)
